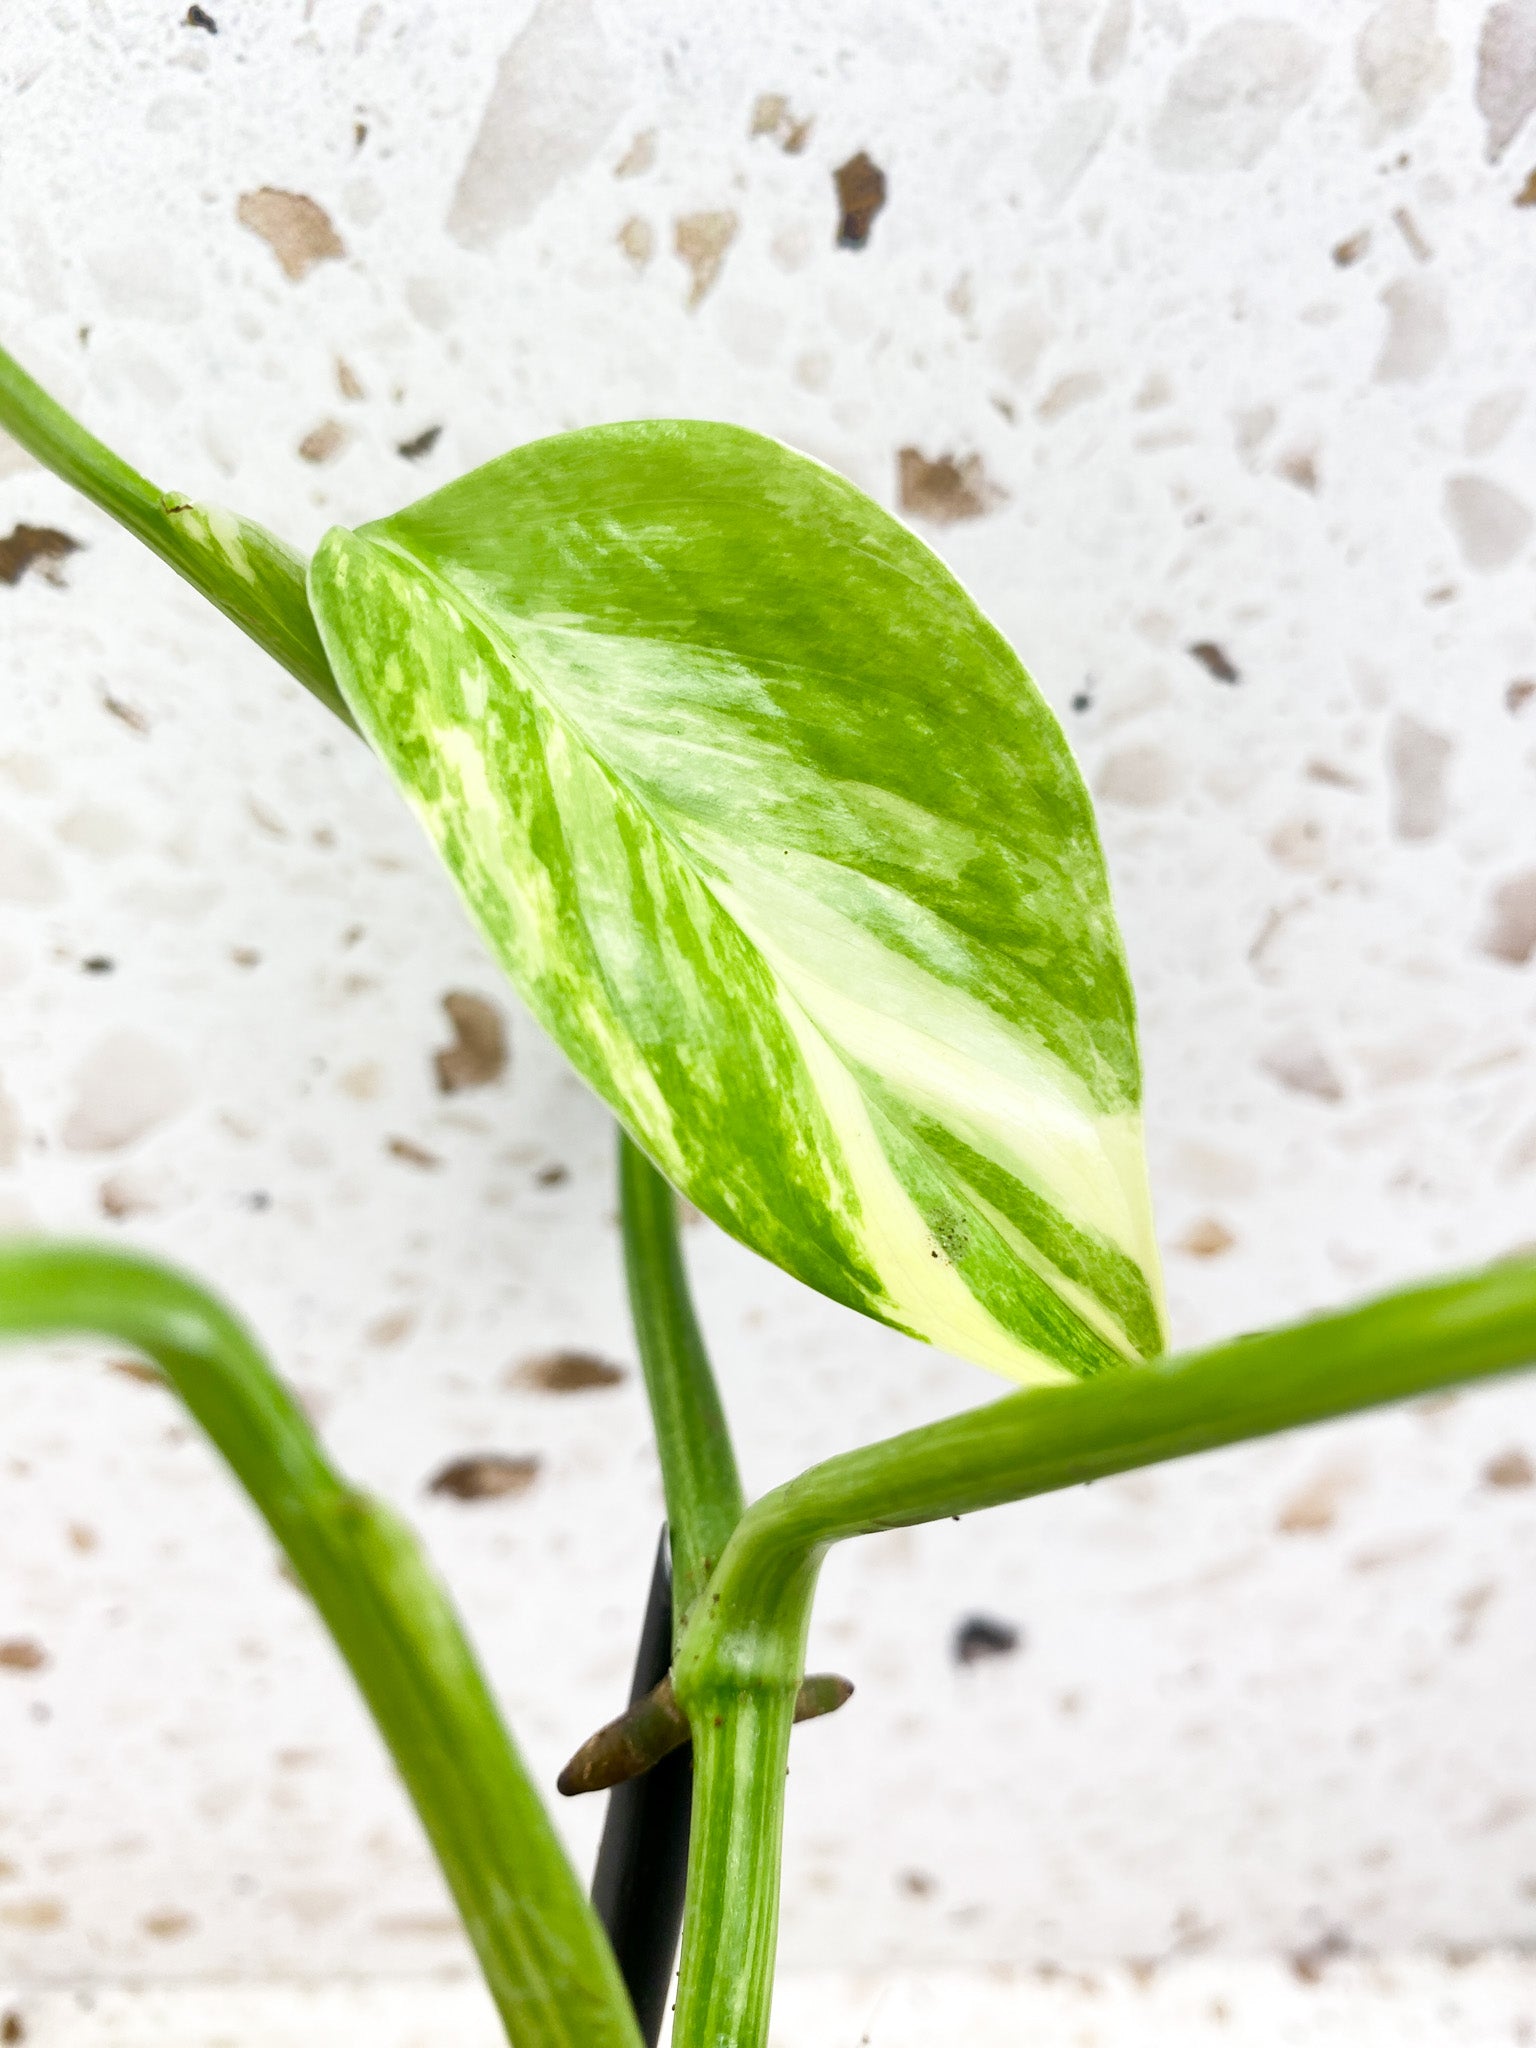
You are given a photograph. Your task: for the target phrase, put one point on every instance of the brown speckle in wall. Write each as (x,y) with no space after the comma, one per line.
(1412,234)
(20,1653)
(137,1369)
(638,241)
(412,1154)
(1216,662)
(1511,930)
(35,1916)
(1077,387)
(945,489)
(121,1195)
(297,230)
(323,443)
(1470,1608)
(1304,1068)
(25,545)
(701,240)
(639,157)
(1308,1964)
(126,714)
(1330,775)
(565,1372)
(1207,1238)
(391,1328)
(478,1054)
(1509,1469)
(485,1475)
(771,116)
(769,110)
(1299,468)
(169,1925)
(861,193)
(419,445)
(1314,1510)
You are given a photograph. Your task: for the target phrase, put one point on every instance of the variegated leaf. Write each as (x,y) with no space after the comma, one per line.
(775,837)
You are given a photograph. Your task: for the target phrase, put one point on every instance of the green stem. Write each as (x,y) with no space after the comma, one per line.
(1408,1343)
(698,1465)
(733,1848)
(747,1639)
(731,1913)
(545,1957)
(254,578)
(739,1694)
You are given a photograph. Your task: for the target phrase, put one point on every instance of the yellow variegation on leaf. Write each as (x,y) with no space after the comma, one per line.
(776,838)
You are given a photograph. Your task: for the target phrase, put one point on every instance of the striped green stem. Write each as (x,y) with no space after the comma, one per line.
(546,1960)
(731,1915)
(742,1655)
(693,1441)
(737,1676)
(254,578)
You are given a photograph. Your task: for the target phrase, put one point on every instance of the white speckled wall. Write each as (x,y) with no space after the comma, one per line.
(1198,338)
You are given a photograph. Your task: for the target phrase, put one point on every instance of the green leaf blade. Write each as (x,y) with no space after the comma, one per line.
(775,836)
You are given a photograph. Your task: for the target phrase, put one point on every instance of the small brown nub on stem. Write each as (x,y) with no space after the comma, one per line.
(823,1692)
(654,1726)
(641,1736)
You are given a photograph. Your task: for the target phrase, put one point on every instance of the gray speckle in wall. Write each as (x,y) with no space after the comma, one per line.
(556,95)
(1506,72)
(1228,101)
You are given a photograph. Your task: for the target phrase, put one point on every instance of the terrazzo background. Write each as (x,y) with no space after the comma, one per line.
(1213,325)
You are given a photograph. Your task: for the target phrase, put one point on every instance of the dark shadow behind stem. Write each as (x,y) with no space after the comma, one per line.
(642,1860)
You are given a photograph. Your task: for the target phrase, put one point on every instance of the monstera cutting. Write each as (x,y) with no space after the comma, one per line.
(772,832)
